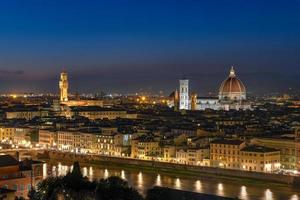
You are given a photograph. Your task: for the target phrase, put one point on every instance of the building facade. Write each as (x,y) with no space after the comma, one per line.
(259,159)
(19,176)
(225,153)
(286,148)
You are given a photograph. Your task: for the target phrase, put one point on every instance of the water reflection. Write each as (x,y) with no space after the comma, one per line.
(62,170)
(268,195)
(45,170)
(84,172)
(143,181)
(54,171)
(123,175)
(105,173)
(158,180)
(177,184)
(140,180)
(91,174)
(198,186)
(220,190)
(294,197)
(243,193)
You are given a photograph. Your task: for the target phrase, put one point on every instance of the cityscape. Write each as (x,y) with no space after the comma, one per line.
(148,128)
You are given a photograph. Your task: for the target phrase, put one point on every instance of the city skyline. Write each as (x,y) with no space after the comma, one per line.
(148,46)
(150,100)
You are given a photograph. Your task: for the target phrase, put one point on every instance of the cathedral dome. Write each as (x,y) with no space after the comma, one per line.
(232,88)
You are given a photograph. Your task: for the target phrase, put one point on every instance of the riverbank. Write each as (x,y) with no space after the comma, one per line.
(176,170)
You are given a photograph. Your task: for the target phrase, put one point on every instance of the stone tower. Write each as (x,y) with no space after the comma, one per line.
(184,94)
(63,86)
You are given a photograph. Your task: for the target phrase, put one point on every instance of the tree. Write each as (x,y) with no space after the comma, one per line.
(114,188)
(33,194)
(73,186)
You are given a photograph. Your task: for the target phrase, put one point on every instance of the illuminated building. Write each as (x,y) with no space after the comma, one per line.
(105,144)
(204,103)
(27,113)
(297,146)
(7,133)
(84,102)
(259,159)
(184,103)
(176,100)
(47,138)
(19,176)
(76,141)
(96,112)
(232,89)
(63,86)
(21,136)
(225,153)
(169,153)
(193,101)
(122,144)
(285,146)
(145,148)
(192,156)
(232,96)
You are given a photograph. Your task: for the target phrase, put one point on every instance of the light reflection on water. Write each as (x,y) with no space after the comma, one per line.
(220,190)
(123,175)
(105,173)
(178,184)
(268,195)
(198,186)
(143,181)
(294,197)
(44,170)
(140,180)
(243,193)
(158,180)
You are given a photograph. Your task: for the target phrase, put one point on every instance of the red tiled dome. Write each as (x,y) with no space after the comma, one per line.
(232,87)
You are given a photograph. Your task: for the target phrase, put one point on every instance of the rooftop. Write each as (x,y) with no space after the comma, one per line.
(8,160)
(93,108)
(225,141)
(259,149)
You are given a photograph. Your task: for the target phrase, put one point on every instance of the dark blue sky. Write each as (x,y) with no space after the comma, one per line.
(126,46)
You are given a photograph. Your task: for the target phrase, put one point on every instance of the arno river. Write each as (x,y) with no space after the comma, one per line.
(143,181)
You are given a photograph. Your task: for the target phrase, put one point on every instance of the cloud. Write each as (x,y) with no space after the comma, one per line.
(11,72)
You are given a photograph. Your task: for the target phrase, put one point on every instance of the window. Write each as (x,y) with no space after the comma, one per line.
(15,187)
(21,187)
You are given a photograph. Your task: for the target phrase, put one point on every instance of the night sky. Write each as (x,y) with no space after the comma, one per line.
(132,46)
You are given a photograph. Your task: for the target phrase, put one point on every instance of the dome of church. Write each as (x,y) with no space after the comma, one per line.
(232,88)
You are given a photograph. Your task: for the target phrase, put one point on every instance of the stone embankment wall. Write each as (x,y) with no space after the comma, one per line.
(70,157)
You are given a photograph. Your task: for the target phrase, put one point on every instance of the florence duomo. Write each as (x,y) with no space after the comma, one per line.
(231,96)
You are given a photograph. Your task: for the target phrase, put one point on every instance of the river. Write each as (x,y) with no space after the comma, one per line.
(143,181)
